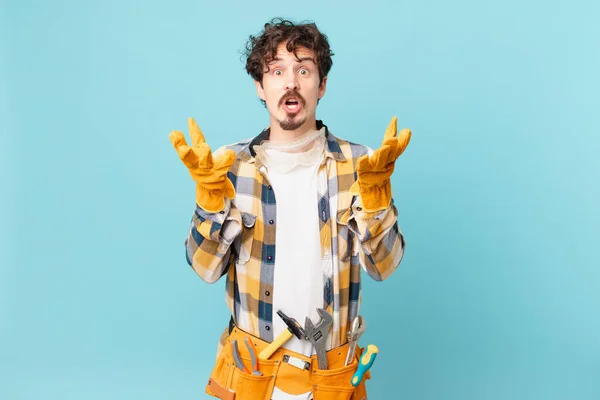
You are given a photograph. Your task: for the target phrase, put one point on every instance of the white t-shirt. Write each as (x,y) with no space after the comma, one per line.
(298,278)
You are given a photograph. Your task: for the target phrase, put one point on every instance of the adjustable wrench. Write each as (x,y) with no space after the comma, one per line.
(317,334)
(356,330)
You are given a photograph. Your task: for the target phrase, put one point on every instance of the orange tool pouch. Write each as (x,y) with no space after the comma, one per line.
(289,371)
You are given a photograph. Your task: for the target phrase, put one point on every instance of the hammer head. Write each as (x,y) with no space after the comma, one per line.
(292,324)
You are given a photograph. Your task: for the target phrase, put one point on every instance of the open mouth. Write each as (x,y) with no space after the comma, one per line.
(292,105)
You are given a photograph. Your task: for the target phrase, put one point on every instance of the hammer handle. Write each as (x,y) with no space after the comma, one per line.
(277,343)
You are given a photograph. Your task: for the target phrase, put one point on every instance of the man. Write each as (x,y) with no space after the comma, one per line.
(291,218)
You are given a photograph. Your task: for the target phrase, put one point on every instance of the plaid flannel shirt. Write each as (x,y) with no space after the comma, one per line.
(239,241)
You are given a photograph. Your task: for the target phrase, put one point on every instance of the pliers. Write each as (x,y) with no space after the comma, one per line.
(238,360)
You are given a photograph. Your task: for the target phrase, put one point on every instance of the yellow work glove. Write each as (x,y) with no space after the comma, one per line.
(374,171)
(210,174)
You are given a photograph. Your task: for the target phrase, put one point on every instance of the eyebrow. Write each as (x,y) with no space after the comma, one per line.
(276,59)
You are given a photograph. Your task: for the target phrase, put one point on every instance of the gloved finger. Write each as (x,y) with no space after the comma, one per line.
(391,130)
(363,163)
(403,140)
(177,138)
(205,158)
(184,151)
(225,160)
(393,144)
(379,157)
(195,133)
(188,156)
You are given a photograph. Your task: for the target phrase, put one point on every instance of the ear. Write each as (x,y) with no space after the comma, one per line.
(260,91)
(322,88)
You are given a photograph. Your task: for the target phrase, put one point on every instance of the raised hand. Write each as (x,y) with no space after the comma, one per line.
(374,171)
(209,173)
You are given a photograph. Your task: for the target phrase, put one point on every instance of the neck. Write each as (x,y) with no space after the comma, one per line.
(277,134)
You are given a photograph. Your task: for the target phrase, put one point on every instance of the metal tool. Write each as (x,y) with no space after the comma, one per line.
(293,328)
(364,363)
(317,334)
(354,333)
(253,358)
(235,351)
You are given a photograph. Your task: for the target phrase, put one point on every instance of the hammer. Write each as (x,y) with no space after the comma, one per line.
(293,328)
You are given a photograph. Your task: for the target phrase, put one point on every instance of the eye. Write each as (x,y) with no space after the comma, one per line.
(304,71)
(277,72)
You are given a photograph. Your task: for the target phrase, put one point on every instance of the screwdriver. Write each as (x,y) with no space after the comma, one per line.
(364,363)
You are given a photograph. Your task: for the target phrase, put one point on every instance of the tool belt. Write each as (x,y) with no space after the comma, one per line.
(289,371)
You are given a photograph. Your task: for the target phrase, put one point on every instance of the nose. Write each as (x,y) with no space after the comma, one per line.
(291,81)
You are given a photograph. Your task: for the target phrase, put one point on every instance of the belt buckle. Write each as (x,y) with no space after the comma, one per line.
(296,362)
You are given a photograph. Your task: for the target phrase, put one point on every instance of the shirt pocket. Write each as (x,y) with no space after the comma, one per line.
(246,240)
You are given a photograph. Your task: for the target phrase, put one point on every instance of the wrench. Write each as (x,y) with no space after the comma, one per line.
(356,330)
(317,334)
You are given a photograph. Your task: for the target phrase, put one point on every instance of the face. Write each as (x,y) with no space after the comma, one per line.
(291,88)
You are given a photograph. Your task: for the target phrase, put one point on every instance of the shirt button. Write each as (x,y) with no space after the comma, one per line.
(221,212)
(269,187)
(358,208)
(267,293)
(271,221)
(268,327)
(269,257)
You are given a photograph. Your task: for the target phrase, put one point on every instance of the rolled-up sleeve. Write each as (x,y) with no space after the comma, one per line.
(209,241)
(381,242)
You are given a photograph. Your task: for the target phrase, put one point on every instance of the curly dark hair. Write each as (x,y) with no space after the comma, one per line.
(262,49)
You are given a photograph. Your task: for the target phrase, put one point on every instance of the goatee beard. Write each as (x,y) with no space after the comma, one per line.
(290,124)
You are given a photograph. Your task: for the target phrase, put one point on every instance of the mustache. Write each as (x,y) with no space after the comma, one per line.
(292,94)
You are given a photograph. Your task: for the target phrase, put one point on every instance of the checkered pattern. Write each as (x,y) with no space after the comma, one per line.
(239,242)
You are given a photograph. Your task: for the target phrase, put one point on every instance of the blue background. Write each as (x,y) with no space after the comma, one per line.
(498,294)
